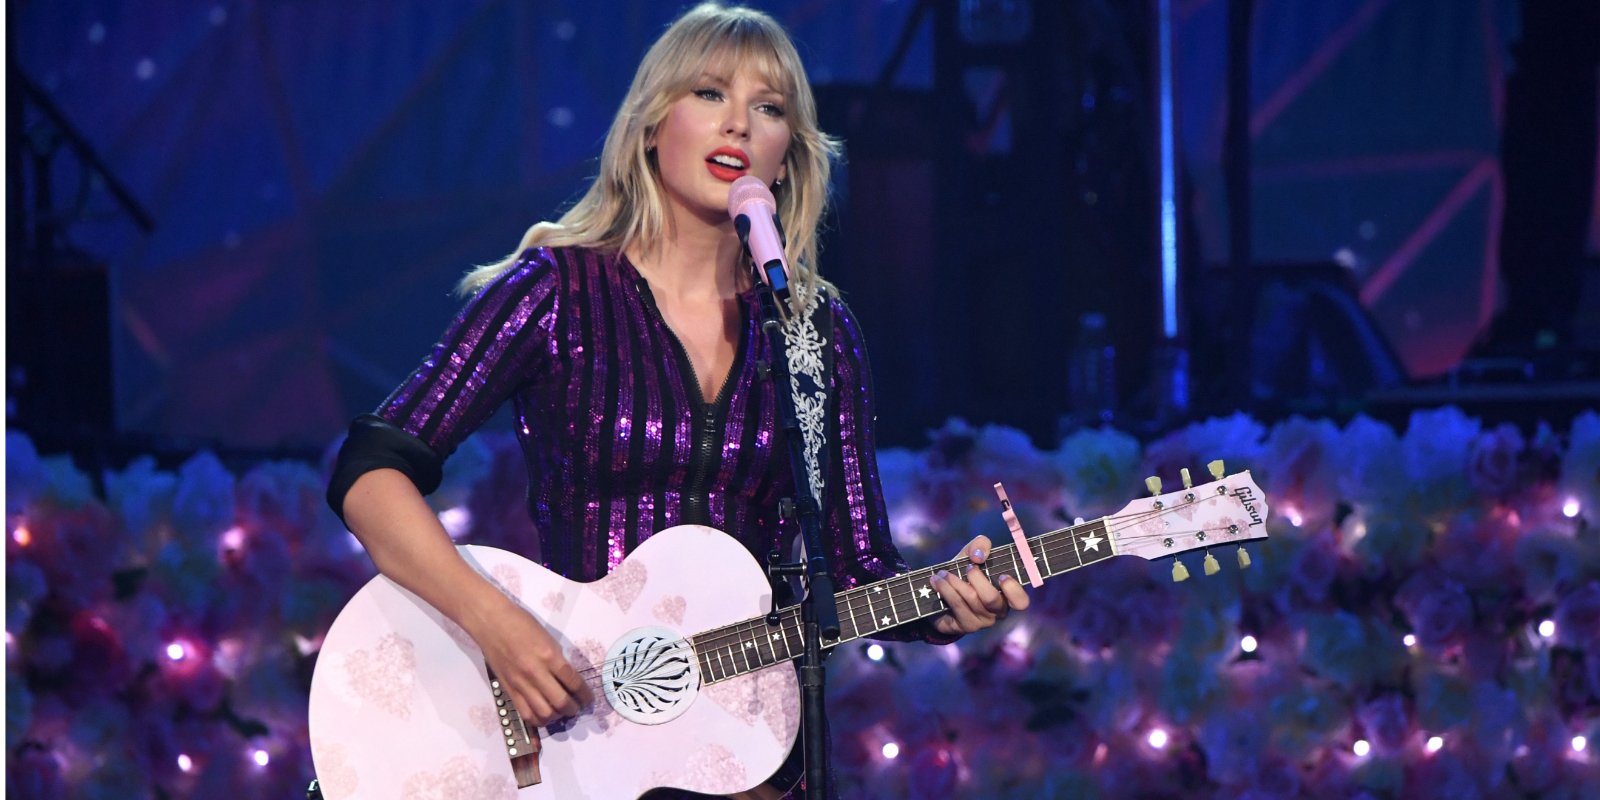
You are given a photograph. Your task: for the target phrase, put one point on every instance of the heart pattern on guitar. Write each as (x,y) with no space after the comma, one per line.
(670,609)
(752,700)
(460,777)
(715,769)
(386,677)
(623,586)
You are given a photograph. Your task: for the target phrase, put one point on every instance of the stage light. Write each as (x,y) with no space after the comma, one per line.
(1248,644)
(1571,507)
(1157,739)
(875,652)
(1410,640)
(1579,743)
(261,757)
(891,750)
(185,763)
(1362,748)
(1294,515)
(22,536)
(1547,628)
(177,651)
(1434,743)
(456,521)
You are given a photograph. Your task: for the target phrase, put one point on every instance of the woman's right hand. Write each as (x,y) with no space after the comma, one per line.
(407,543)
(531,668)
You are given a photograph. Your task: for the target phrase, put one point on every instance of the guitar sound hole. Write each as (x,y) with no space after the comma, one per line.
(651,676)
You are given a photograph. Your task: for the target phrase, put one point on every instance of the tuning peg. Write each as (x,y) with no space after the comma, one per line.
(1244,558)
(1153,483)
(1180,573)
(1216,469)
(1187,484)
(1211,565)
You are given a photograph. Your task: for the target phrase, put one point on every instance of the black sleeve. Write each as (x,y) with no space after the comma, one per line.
(375,444)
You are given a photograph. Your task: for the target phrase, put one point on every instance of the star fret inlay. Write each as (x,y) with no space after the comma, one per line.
(1092,542)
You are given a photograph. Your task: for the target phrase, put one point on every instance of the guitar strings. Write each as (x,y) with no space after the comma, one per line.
(737,633)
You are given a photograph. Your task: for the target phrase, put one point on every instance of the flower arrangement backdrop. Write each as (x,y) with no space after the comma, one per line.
(1423,622)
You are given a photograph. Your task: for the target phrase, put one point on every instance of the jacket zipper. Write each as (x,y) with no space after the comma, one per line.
(703,433)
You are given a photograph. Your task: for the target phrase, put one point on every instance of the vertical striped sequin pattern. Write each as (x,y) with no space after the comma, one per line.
(609,419)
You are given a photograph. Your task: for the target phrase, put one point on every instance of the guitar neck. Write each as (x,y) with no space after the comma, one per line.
(754,644)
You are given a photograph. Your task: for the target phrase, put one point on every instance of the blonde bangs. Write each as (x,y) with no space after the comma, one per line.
(624,205)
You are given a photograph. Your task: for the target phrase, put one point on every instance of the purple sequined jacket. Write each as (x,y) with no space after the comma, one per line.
(619,443)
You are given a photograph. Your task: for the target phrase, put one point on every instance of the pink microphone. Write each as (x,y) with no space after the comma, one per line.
(755,217)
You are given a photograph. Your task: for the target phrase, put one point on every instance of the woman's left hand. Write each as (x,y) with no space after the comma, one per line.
(974,601)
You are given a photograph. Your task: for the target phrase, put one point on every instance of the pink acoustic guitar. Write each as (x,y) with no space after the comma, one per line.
(693,688)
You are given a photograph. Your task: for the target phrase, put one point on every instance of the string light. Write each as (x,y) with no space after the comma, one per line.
(1547,628)
(1362,748)
(1157,739)
(1571,507)
(1248,644)
(891,750)
(1434,743)
(875,652)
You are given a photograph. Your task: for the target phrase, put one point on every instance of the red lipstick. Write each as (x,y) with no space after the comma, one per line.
(722,168)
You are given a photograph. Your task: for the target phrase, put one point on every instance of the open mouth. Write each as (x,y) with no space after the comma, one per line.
(727,163)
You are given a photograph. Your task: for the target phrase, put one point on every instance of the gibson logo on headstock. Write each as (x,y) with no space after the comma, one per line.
(1247,499)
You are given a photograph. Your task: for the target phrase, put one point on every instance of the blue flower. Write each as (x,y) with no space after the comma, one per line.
(25,478)
(141,496)
(203,504)
(1099,470)
(1580,467)
(1369,463)
(1436,448)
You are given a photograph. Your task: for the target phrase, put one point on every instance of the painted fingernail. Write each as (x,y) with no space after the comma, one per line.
(977,552)
(941,575)
(1004,578)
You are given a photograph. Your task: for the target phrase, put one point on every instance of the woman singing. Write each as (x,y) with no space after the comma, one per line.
(625,336)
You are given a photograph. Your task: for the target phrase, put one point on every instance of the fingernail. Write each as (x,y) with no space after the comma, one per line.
(1004,578)
(941,575)
(977,552)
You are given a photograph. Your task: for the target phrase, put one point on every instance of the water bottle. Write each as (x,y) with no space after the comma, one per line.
(1091,374)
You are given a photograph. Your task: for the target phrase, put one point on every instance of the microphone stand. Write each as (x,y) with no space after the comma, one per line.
(819,614)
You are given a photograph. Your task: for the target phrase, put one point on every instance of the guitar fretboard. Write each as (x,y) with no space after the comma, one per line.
(754,644)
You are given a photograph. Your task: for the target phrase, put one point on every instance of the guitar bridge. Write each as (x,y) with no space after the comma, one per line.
(522,744)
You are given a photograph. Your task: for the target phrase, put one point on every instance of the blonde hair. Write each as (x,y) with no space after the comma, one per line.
(624,206)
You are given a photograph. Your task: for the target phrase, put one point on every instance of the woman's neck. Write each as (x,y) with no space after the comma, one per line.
(693,262)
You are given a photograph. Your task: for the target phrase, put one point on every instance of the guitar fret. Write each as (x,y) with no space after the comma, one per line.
(855,625)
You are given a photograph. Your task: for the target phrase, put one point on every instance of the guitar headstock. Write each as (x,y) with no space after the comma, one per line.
(1228,511)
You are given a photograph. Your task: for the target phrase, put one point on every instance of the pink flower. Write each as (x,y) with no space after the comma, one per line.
(1438,608)
(1385,722)
(78,550)
(34,771)
(1578,617)
(1492,461)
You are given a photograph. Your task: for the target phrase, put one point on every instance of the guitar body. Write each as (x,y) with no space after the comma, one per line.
(402,707)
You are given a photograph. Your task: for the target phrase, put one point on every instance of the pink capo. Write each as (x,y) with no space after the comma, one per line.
(1021,539)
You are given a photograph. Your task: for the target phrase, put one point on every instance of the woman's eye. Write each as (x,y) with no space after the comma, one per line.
(771,109)
(708,94)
